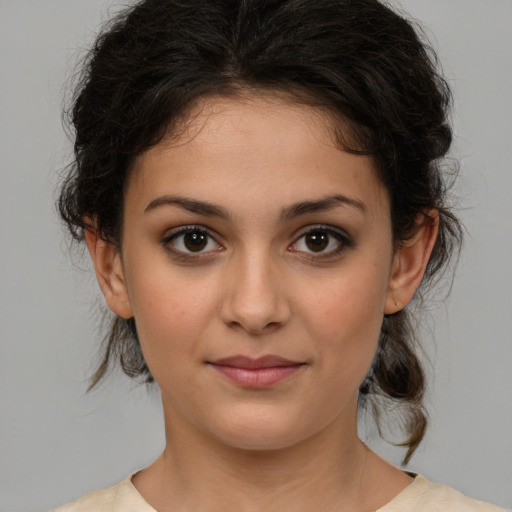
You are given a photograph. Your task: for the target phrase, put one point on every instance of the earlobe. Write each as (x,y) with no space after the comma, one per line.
(410,262)
(109,273)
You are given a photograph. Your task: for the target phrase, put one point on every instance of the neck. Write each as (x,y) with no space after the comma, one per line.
(329,471)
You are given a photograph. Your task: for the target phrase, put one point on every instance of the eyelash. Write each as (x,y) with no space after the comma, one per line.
(344,241)
(184,255)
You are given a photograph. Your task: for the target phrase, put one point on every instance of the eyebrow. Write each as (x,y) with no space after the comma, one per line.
(290,212)
(321,205)
(191,205)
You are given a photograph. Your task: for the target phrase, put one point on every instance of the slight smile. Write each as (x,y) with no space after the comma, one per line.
(262,372)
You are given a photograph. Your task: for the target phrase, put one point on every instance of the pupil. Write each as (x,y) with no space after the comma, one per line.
(195,241)
(317,241)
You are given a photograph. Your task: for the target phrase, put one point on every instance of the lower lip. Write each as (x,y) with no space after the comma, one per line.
(257,377)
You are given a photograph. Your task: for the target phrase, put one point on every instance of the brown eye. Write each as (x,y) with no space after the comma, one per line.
(190,240)
(195,241)
(317,241)
(322,241)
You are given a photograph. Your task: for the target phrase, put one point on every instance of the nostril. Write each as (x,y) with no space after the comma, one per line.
(255,329)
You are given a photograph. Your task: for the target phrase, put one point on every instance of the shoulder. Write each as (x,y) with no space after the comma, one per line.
(425,496)
(121,497)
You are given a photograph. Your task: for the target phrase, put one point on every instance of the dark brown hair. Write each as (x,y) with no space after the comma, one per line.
(358,58)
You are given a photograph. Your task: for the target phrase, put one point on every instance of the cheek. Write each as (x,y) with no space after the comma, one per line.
(171,317)
(347,302)
(345,320)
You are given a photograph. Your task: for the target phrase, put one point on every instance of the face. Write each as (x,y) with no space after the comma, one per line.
(257,260)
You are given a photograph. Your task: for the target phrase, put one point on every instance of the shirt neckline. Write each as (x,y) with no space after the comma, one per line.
(418,482)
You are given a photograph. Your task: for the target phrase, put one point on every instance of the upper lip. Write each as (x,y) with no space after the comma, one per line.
(249,363)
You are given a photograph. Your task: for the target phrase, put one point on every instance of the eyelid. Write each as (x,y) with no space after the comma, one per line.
(182,230)
(344,239)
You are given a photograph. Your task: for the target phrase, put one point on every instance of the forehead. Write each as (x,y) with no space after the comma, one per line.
(255,119)
(227,146)
(260,109)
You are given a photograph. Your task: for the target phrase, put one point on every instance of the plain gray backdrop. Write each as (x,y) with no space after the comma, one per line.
(57,443)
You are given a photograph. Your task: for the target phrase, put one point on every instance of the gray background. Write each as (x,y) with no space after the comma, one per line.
(56,442)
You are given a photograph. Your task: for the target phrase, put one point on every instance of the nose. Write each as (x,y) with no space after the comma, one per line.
(253,297)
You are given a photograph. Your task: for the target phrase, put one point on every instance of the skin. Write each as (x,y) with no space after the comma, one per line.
(258,288)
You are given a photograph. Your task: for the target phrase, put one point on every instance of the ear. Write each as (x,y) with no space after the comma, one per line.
(109,272)
(410,262)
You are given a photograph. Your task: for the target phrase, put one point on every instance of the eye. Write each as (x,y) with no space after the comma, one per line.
(191,240)
(321,241)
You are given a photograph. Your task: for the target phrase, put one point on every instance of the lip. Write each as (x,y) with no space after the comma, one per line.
(262,372)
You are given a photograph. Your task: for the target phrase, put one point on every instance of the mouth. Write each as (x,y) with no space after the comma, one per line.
(262,372)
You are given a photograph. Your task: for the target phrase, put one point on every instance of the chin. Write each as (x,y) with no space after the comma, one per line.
(265,432)
(260,441)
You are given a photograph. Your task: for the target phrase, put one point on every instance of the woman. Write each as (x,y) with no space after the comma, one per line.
(259,186)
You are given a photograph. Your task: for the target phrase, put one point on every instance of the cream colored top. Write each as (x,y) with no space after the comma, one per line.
(420,496)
